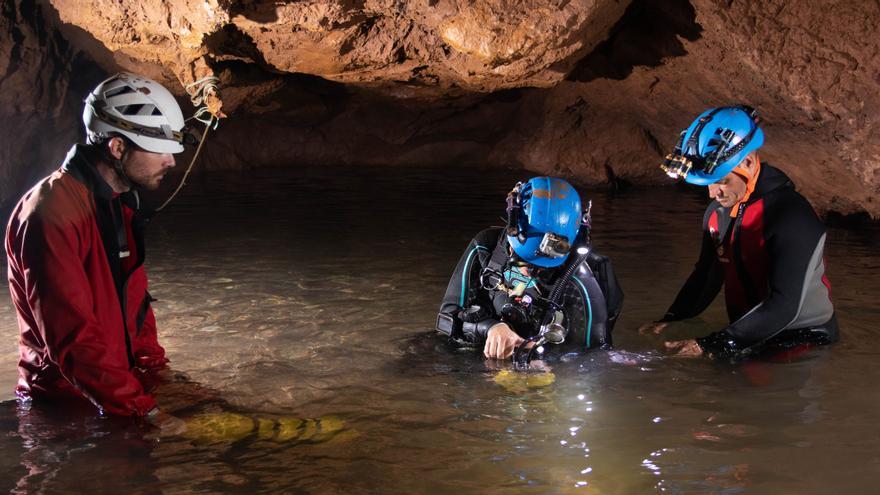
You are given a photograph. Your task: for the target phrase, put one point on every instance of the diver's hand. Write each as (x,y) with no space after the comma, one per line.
(167,424)
(684,348)
(654,328)
(501,342)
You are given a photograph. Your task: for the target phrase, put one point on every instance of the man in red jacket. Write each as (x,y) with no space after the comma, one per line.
(76,249)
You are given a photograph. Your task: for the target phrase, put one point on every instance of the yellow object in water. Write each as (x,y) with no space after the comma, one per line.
(514,381)
(232,427)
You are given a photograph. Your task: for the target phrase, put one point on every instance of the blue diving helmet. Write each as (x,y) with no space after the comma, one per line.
(544,216)
(714,144)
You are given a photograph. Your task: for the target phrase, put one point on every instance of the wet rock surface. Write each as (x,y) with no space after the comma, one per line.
(40,94)
(596,91)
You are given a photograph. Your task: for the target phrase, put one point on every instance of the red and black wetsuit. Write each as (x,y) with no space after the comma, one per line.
(770,260)
(76,276)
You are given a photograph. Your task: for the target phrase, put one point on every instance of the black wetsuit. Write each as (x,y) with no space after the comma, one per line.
(588,315)
(770,261)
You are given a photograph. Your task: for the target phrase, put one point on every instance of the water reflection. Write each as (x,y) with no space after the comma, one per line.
(311,293)
(54,446)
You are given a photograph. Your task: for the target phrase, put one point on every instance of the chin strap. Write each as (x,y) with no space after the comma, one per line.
(120,172)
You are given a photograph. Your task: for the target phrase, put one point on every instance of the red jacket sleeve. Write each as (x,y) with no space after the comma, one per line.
(147,351)
(92,357)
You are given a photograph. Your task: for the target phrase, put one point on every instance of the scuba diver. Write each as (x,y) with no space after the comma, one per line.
(536,281)
(761,239)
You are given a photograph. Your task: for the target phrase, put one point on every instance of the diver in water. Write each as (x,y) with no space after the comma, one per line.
(535,281)
(761,239)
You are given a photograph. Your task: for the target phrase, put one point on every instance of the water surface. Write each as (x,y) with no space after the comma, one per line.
(312,293)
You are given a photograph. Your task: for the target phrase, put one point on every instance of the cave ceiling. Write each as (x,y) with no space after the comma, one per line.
(592,90)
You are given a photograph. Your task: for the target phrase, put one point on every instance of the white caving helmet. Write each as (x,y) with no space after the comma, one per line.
(138,108)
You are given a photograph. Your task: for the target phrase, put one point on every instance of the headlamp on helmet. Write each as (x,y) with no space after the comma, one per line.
(164,131)
(714,144)
(554,245)
(676,165)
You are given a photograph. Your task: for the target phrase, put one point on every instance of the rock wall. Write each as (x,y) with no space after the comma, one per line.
(814,73)
(43,80)
(482,46)
(593,90)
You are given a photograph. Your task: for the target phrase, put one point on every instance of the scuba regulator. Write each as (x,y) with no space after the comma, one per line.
(553,329)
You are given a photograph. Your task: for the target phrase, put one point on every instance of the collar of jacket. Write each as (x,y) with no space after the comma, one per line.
(751,183)
(770,179)
(79,167)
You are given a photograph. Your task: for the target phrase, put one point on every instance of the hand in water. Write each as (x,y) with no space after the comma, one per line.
(655,328)
(684,348)
(501,342)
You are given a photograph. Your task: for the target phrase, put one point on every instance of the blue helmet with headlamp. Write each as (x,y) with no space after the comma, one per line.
(714,144)
(544,217)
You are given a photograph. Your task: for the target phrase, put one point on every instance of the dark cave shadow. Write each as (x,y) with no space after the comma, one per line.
(265,11)
(230,41)
(262,11)
(648,32)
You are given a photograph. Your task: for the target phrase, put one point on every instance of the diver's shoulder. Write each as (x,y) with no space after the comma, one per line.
(488,237)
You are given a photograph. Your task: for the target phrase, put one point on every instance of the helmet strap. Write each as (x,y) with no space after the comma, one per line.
(116,163)
(514,213)
(693,142)
(724,151)
(182,136)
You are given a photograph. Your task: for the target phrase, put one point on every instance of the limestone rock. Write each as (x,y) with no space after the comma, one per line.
(42,82)
(594,90)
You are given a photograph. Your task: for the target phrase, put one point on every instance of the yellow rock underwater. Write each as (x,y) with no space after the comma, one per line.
(232,427)
(518,382)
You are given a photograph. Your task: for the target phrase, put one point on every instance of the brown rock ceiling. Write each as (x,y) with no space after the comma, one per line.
(592,90)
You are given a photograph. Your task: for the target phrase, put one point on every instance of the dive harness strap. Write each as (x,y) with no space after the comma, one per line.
(492,276)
